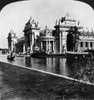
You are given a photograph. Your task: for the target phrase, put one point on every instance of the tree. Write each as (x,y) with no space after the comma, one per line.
(76,34)
(73,39)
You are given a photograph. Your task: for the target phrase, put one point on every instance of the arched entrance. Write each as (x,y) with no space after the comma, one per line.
(70,42)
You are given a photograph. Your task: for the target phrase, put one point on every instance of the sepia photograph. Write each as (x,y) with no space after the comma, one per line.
(46,50)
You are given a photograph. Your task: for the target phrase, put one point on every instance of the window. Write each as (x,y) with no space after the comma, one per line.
(86,44)
(90,44)
(81,44)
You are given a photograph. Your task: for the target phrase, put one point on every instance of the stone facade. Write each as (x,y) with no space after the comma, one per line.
(47,41)
(86,43)
(31,32)
(20,46)
(62,30)
(53,41)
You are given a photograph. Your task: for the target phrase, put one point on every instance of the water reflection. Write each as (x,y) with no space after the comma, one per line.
(81,69)
(54,65)
(22,84)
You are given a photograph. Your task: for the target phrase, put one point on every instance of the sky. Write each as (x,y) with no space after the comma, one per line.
(15,15)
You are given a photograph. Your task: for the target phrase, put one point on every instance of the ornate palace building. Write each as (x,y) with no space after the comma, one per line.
(31,33)
(58,40)
(62,28)
(20,46)
(47,41)
(86,40)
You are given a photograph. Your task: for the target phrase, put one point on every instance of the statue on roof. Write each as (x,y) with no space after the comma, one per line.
(64,18)
(32,22)
(67,14)
(29,20)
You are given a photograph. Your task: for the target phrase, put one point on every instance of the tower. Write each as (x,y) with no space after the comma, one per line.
(12,39)
(31,31)
(62,28)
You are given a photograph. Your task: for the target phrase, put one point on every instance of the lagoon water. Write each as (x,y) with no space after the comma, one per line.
(17,86)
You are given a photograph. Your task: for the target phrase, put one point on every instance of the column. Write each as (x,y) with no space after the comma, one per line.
(12,45)
(93,45)
(79,48)
(89,45)
(83,46)
(47,46)
(30,36)
(60,43)
(25,43)
(32,43)
(23,48)
(53,47)
(41,45)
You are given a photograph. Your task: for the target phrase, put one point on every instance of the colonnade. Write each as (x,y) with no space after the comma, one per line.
(23,48)
(49,46)
(60,42)
(87,45)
